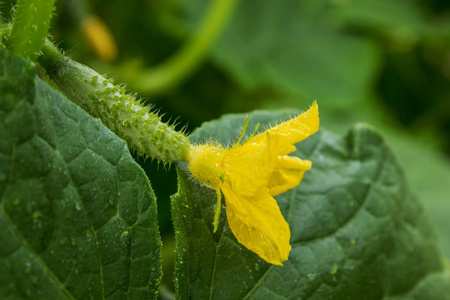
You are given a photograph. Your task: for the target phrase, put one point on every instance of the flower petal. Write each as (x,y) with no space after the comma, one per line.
(279,144)
(249,167)
(287,174)
(296,129)
(258,224)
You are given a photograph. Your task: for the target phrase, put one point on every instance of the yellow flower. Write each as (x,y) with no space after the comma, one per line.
(249,175)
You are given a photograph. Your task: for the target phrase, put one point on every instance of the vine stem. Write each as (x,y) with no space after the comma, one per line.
(30,27)
(170,73)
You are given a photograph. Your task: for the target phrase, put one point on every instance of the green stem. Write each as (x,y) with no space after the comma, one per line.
(30,27)
(170,73)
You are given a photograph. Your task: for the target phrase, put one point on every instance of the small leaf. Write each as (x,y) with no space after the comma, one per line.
(357,231)
(77,214)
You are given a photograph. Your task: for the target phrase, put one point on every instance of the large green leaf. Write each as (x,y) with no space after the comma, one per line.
(315,49)
(428,172)
(427,169)
(357,231)
(77,214)
(403,22)
(286,45)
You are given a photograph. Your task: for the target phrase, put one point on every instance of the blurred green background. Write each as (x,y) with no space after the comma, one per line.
(382,62)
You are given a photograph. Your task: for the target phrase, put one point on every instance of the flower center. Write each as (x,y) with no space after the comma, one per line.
(205,164)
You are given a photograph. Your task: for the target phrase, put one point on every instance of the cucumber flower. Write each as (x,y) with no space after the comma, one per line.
(249,175)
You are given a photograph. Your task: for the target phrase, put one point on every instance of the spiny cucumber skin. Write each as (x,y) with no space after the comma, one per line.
(142,129)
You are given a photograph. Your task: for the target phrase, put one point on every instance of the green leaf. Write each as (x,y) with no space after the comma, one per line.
(77,214)
(293,46)
(428,172)
(427,169)
(403,22)
(357,231)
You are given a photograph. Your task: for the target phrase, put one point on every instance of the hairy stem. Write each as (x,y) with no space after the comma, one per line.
(30,27)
